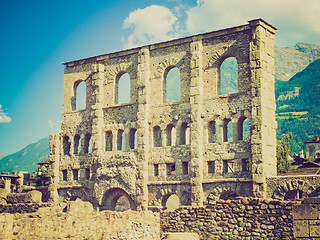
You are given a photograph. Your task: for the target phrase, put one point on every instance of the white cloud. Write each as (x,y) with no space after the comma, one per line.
(51,123)
(151,24)
(294,19)
(54,124)
(3,116)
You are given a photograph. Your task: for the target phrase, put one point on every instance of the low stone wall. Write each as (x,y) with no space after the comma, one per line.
(21,208)
(79,221)
(245,218)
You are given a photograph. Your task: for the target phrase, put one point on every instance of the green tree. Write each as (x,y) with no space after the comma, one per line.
(283,151)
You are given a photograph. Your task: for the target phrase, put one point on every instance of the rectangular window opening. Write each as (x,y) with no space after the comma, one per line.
(171,169)
(156,169)
(211,167)
(75,173)
(64,175)
(87,174)
(245,166)
(228,166)
(185,168)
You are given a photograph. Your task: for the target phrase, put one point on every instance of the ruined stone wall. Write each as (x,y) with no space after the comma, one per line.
(148,167)
(246,218)
(84,223)
(241,218)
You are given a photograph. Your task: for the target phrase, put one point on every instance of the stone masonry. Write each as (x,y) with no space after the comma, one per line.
(147,149)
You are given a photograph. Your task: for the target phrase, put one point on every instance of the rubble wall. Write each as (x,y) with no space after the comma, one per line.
(245,218)
(53,223)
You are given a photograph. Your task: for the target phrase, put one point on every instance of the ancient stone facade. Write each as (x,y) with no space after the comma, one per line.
(148,149)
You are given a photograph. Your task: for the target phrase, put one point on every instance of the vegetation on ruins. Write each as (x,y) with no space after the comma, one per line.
(42,175)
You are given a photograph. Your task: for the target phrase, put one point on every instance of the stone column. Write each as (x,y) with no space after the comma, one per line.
(97,120)
(143,78)
(7,184)
(263,139)
(196,126)
(54,157)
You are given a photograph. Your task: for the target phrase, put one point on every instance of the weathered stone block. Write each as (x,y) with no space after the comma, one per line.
(29,197)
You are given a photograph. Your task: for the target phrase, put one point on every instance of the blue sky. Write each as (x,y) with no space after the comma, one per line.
(37,36)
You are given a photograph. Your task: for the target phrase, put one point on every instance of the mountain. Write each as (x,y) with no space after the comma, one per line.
(27,158)
(298,106)
(290,60)
(2,155)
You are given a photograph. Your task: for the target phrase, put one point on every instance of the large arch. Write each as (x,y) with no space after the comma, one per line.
(110,200)
(228,73)
(79,95)
(171,86)
(122,88)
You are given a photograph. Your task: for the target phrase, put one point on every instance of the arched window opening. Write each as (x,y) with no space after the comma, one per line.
(109,140)
(133,137)
(243,129)
(157,141)
(87,144)
(76,144)
(171,133)
(227,130)
(229,76)
(293,195)
(229,194)
(80,96)
(122,204)
(117,199)
(123,89)
(66,145)
(172,86)
(121,140)
(212,136)
(171,202)
(184,134)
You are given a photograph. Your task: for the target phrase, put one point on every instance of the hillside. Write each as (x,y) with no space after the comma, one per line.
(2,155)
(298,105)
(27,158)
(290,60)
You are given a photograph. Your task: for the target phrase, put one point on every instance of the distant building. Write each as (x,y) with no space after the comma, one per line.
(9,181)
(312,147)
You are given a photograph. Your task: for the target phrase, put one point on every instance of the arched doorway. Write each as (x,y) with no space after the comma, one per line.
(116,199)
(170,202)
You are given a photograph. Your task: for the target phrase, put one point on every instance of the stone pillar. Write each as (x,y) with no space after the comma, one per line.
(196,126)
(143,78)
(263,139)
(220,135)
(54,157)
(97,120)
(235,130)
(7,184)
